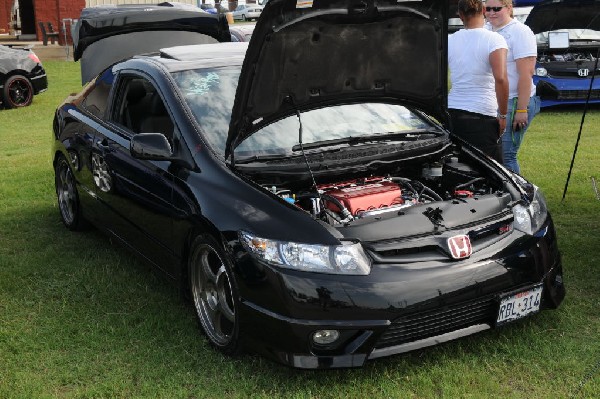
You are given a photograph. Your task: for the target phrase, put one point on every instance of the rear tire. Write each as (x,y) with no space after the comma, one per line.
(17,92)
(214,294)
(67,196)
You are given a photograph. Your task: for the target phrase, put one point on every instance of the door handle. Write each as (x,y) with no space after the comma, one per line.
(103,145)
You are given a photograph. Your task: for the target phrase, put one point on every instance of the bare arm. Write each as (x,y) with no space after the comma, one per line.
(498,63)
(525,69)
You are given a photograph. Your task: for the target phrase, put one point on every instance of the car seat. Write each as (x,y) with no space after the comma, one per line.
(157,119)
(135,105)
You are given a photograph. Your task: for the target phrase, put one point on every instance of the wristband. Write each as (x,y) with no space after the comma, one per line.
(521,111)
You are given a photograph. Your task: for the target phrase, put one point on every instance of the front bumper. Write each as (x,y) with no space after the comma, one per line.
(558,91)
(397,311)
(39,80)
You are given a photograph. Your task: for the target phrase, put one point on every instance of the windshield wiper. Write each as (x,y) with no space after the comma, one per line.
(366,139)
(255,158)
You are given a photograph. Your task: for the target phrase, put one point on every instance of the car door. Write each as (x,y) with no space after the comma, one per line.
(136,194)
(78,132)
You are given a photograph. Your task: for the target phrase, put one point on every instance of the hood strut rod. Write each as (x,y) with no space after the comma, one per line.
(304,156)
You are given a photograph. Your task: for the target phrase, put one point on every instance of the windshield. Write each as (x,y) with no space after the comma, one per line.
(574,35)
(210,94)
(326,124)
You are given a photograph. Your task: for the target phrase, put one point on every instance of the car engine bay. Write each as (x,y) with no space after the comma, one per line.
(451,177)
(573,56)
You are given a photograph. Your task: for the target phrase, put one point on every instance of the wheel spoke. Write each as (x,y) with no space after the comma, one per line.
(207,267)
(211,307)
(61,178)
(224,294)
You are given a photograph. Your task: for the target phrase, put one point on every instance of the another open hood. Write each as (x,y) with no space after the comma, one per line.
(107,34)
(309,54)
(551,15)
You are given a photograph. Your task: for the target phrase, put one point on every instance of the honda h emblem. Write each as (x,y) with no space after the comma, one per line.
(583,72)
(460,246)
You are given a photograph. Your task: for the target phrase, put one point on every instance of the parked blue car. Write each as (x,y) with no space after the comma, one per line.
(568,35)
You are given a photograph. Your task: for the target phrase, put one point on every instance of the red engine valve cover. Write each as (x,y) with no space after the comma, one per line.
(463,193)
(363,195)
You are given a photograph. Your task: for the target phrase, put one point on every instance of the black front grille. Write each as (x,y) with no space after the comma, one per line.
(571,74)
(439,321)
(577,94)
(430,248)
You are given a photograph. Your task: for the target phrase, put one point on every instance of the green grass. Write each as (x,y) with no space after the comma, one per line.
(81,317)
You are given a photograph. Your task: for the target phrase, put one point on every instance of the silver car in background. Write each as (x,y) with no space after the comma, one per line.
(247,12)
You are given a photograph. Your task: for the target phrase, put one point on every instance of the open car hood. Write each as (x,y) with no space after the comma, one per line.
(551,15)
(306,54)
(108,34)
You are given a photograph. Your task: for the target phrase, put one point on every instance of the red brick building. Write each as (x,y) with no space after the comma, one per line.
(23,16)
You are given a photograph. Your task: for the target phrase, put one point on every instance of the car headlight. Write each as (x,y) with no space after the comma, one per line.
(542,72)
(529,219)
(347,258)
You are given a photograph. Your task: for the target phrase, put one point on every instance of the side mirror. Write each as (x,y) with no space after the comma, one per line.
(151,146)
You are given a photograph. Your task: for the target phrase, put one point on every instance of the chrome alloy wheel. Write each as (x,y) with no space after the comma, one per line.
(66,191)
(101,173)
(213,295)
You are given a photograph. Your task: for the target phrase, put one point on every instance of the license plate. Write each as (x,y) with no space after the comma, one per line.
(515,306)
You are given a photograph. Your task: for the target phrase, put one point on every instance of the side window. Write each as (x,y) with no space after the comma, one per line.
(97,99)
(141,108)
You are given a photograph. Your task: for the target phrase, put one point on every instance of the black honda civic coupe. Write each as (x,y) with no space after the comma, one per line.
(304,188)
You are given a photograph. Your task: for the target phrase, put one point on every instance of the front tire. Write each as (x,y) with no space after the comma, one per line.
(214,294)
(68,197)
(244,18)
(17,92)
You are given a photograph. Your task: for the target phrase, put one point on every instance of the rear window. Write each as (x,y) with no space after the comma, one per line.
(96,102)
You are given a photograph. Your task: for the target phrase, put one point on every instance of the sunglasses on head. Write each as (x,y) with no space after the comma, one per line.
(494,9)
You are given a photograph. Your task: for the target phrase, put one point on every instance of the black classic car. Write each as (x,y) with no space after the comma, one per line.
(21,76)
(303,188)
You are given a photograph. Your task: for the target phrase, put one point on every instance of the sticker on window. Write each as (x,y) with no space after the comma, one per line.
(396,127)
(203,85)
(304,3)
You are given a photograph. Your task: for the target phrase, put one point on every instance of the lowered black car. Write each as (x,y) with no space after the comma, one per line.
(304,188)
(21,76)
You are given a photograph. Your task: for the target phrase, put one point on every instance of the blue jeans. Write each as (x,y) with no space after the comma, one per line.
(511,140)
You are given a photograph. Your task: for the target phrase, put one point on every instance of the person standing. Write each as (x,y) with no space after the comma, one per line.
(478,97)
(523,104)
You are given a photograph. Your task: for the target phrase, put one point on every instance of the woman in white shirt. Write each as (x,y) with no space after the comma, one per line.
(478,97)
(523,104)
